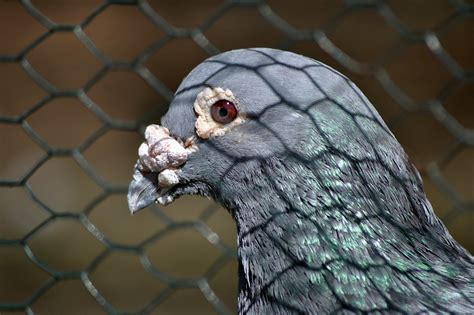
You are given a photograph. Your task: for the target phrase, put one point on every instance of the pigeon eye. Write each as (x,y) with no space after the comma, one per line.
(223,111)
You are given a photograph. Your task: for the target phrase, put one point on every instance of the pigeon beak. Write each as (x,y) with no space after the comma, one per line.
(142,191)
(158,168)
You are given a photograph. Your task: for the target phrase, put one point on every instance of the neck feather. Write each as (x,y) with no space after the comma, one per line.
(305,234)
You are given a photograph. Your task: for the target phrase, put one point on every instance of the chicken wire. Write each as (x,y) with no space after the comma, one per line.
(434,170)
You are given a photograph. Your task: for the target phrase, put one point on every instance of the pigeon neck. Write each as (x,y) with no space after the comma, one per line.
(298,244)
(259,255)
(274,243)
(280,234)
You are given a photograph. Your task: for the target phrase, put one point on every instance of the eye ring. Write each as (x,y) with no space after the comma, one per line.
(223,111)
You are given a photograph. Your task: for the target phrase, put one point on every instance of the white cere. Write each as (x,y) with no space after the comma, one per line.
(162,154)
(206,126)
(160,151)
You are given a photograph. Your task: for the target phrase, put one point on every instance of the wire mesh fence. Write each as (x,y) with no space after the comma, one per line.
(460,204)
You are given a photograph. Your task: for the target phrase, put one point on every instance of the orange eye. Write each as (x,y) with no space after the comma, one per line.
(223,111)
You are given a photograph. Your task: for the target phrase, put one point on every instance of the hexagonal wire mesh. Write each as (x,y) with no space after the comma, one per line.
(388,36)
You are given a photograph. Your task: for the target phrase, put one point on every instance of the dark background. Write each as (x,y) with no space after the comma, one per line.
(74,99)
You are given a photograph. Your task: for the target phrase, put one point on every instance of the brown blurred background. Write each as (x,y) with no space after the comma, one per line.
(72,102)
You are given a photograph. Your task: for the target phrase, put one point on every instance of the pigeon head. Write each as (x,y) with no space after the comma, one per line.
(246,107)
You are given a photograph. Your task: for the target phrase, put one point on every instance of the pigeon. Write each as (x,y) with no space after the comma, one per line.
(331,214)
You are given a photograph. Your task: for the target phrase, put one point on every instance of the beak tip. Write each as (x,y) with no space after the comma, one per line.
(141,192)
(133,208)
(137,204)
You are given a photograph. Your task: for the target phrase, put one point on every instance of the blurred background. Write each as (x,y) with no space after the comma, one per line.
(79,80)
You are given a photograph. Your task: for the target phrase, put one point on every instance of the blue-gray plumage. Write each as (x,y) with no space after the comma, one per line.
(331,215)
